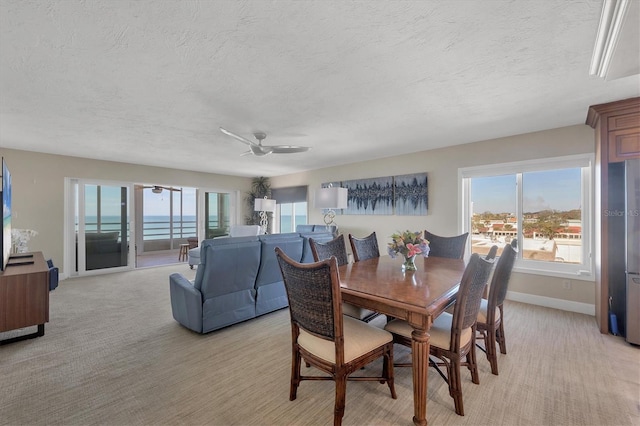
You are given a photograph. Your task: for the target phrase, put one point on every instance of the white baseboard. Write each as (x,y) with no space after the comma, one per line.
(549,302)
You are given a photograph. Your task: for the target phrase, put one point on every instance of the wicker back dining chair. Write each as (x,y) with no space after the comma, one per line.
(491,314)
(451,247)
(364,248)
(336,247)
(333,343)
(453,336)
(493,251)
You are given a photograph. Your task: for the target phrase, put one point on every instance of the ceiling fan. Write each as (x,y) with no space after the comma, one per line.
(259,150)
(157,189)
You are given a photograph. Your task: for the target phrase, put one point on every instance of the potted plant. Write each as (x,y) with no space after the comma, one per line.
(260,187)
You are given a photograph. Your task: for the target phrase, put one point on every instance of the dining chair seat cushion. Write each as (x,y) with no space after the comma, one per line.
(355,311)
(482,313)
(440,331)
(359,339)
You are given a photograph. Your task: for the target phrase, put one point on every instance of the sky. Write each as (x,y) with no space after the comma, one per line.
(158,204)
(552,189)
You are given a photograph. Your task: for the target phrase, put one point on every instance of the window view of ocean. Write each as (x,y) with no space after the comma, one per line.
(158,227)
(154,227)
(285,223)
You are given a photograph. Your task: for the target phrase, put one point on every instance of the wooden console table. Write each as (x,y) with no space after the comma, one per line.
(24,296)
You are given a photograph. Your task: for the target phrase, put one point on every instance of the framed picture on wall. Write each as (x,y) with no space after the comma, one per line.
(370,196)
(410,194)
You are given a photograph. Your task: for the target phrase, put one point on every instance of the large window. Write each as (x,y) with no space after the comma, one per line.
(291,208)
(291,215)
(545,205)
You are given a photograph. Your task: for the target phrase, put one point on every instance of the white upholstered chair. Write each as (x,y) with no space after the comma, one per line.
(244,230)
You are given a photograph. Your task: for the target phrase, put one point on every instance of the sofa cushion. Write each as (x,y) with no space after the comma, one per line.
(333,229)
(227,265)
(290,243)
(317,228)
(304,228)
(271,297)
(227,309)
(244,230)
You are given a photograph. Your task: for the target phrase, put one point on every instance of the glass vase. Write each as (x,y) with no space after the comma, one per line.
(409,263)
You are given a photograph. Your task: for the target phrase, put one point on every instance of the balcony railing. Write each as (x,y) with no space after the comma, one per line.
(161,230)
(151,230)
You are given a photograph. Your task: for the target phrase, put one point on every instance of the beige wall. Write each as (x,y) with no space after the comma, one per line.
(38,189)
(443,215)
(39,193)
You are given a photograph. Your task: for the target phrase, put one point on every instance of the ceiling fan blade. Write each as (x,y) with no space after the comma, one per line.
(238,137)
(288,149)
(259,150)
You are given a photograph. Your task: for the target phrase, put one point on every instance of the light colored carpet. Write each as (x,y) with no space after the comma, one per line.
(113,355)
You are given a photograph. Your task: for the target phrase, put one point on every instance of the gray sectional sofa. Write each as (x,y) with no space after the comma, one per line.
(238,278)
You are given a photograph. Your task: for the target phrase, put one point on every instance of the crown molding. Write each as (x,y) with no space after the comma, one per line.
(611,20)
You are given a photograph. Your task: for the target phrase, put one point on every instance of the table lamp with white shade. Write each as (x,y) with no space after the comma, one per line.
(264,206)
(331,198)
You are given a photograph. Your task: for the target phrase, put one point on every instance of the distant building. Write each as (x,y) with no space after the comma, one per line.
(546,250)
(566,246)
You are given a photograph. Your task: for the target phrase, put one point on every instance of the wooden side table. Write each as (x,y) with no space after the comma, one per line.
(184,252)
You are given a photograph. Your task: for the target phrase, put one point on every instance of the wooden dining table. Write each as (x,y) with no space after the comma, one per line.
(418,297)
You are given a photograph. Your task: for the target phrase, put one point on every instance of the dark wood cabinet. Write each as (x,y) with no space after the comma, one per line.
(624,144)
(24,295)
(617,127)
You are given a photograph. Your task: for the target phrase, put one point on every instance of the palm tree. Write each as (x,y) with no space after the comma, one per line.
(260,187)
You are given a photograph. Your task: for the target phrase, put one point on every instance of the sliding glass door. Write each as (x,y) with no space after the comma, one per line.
(216,214)
(102,228)
(102,232)
(217,211)
(167,216)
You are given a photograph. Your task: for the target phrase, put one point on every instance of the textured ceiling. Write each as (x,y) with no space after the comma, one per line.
(151,82)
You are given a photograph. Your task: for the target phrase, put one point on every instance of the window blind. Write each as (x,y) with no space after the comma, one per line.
(291,194)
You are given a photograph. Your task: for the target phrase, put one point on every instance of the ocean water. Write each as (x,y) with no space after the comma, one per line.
(154,227)
(158,227)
